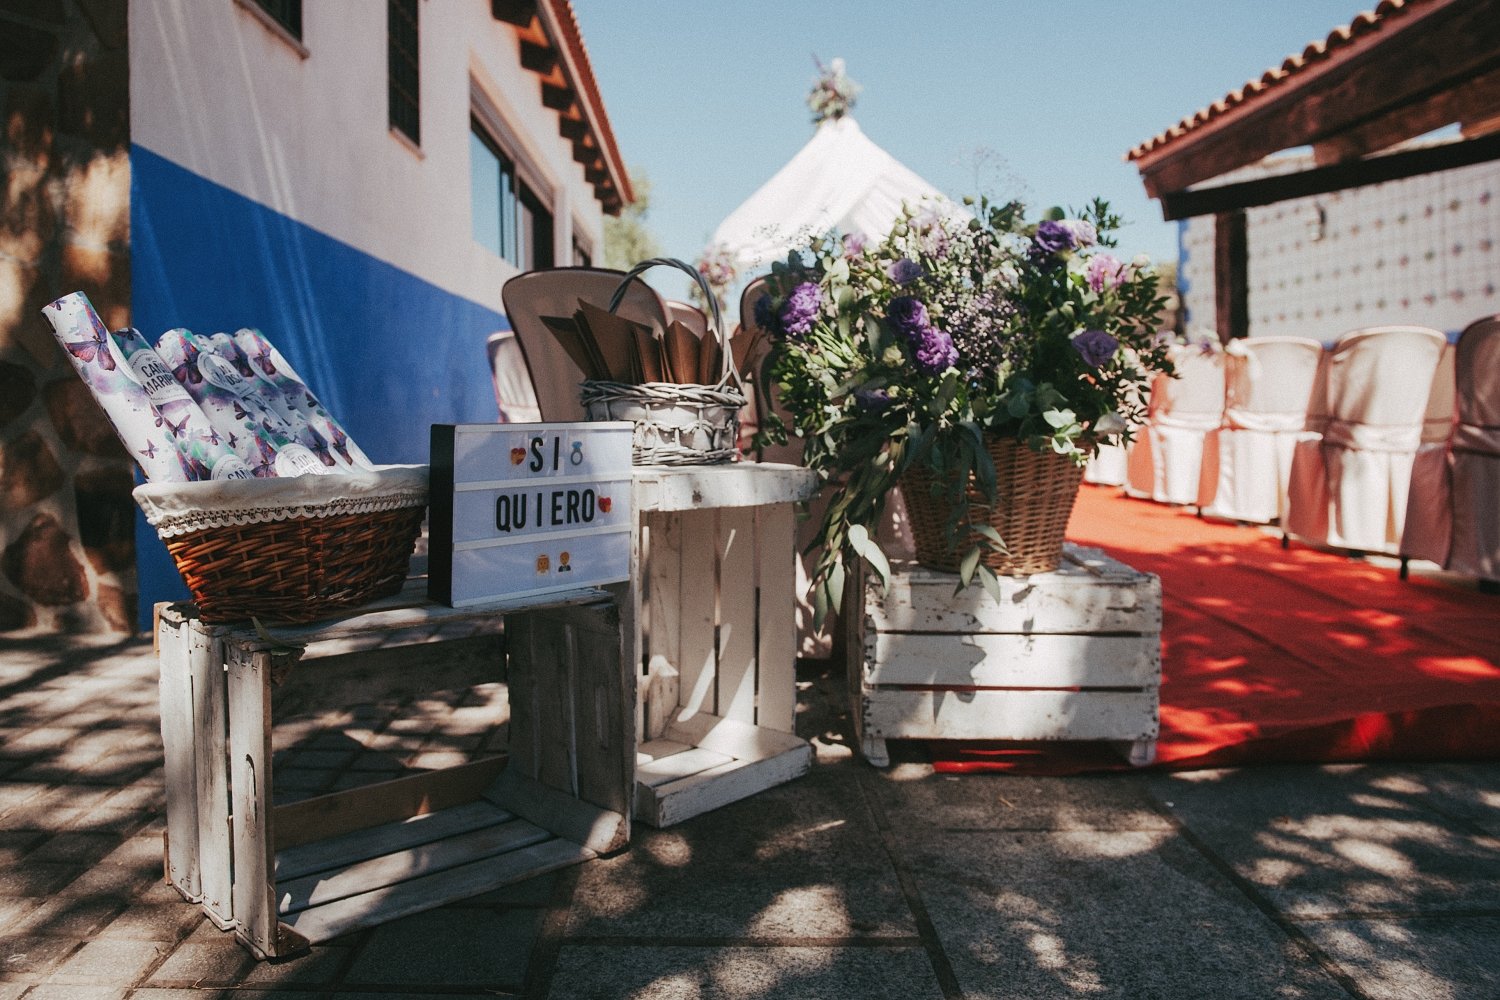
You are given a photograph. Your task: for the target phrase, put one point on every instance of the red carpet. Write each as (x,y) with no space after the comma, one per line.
(1285,655)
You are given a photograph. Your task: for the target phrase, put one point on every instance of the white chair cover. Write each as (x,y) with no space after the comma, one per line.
(1248,459)
(1349,485)
(1429,512)
(1108,467)
(1165,460)
(1453,515)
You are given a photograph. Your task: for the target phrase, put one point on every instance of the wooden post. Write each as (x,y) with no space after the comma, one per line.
(1231,275)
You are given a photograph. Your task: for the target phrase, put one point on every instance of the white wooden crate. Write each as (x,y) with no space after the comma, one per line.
(1069,655)
(282,877)
(716,636)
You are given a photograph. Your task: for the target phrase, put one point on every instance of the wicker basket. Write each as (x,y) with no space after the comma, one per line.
(1035,490)
(674,424)
(290,550)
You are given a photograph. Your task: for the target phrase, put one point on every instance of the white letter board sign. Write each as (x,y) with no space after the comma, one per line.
(528,509)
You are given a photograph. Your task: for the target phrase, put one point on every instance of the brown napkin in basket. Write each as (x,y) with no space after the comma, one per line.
(615,339)
(579,347)
(648,355)
(710,361)
(682,348)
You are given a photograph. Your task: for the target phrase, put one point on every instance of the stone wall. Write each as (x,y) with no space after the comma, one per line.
(67,552)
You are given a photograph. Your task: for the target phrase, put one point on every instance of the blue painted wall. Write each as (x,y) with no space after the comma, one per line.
(387,352)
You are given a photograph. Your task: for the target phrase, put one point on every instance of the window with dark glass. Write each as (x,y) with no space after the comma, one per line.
(401,59)
(509,219)
(287,13)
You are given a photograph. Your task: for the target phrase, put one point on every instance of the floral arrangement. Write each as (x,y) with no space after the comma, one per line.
(833,93)
(953,328)
(716,266)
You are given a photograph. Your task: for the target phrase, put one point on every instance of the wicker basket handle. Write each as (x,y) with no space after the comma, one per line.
(729,375)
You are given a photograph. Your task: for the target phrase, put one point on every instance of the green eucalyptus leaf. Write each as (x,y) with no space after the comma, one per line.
(968,565)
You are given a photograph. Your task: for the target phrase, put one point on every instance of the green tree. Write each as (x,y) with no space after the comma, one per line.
(627,239)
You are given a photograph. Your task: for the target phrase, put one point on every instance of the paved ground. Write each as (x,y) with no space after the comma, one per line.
(1279,882)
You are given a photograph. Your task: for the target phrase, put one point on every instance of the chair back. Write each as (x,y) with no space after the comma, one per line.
(1378,383)
(1269,382)
(530,296)
(1437,422)
(1196,396)
(1477,369)
(514,397)
(689,316)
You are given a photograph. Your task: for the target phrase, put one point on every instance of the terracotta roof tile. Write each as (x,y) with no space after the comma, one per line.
(1316,52)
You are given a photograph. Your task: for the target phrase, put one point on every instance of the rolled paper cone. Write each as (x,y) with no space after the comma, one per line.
(203,449)
(256,433)
(269,364)
(302,426)
(103,368)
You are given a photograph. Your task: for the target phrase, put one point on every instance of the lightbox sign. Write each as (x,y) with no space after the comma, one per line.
(528,509)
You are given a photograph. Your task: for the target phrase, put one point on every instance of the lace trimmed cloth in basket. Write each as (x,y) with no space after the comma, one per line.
(182,508)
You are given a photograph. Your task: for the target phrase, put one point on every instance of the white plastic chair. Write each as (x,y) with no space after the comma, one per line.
(1453,516)
(1349,484)
(514,397)
(528,297)
(1247,460)
(1165,460)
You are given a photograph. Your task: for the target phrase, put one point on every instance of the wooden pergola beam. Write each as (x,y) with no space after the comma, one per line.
(1339,177)
(1474,99)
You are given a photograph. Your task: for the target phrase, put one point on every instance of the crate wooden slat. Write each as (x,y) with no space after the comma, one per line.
(706,762)
(715,631)
(311,870)
(1074,654)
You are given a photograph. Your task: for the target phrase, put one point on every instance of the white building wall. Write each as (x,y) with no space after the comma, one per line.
(1420,250)
(305,133)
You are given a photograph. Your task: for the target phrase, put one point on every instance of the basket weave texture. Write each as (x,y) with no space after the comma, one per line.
(675,424)
(290,550)
(297,570)
(1036,491)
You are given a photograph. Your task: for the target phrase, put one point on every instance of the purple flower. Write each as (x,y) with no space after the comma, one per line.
(1054,237)
(934,351)
(904,271)
(872,399)
(1105,272)
(765,314)
(907,316)
(1095,347)
(932,348)
(855,244)
(801,309)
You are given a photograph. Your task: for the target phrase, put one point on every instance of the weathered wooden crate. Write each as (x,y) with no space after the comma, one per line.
(1069,655)
(716,635)
(282,877)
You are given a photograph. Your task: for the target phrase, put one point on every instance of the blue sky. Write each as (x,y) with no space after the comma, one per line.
(1000,97)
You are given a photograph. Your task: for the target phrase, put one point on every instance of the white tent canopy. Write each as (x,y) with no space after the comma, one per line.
(840,181)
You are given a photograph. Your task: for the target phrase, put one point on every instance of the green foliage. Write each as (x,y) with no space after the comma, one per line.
(627,239)
(952,330)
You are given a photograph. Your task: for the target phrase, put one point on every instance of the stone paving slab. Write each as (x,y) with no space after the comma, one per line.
(697,973)
(1320,842)
(1101,914)
(1425,957)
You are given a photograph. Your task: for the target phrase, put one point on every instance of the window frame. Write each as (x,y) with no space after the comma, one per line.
(395,52)
(269,21)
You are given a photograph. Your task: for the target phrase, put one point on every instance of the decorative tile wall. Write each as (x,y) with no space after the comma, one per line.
(1420,250)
